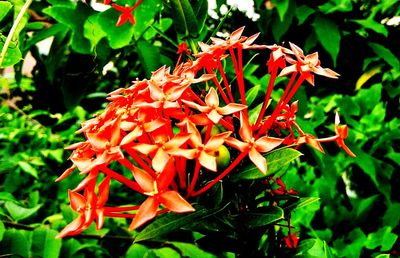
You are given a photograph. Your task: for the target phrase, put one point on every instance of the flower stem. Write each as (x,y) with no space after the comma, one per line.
(120,178)
(222,175)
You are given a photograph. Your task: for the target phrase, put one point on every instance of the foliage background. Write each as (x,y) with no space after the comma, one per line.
(357,213)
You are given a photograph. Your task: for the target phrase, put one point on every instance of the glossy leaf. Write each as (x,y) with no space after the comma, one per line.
(373,25)
(136,251)
(184,18)
(383,237)
(329,35)
(15,242)
(5,7)
(18,212)
(303,12)
(268,215)
(144,16)
(27,168)
(44,243)
(282,6)
(171,222)
(2,230)
(191,250)
(302,202)
(386,55)
(276,160)
(12,56)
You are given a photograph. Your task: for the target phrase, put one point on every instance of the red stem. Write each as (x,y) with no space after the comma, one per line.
(222,175)
(227,86)
(194,179)
(239,75)
(271,84)
(122,179)
(219,87)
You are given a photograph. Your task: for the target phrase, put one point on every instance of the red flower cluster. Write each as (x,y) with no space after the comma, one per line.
(163,132)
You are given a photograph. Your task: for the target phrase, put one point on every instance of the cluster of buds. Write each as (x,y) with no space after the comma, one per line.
(170,137)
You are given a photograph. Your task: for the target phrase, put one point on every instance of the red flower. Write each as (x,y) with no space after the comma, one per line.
(89,206)
(126,13)
(158,193)
(212,109)
(342,133)
(291,240)
(253,146)
(183,48)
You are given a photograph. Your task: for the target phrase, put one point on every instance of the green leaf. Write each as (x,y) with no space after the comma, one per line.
(162,26)
(6,196)
(93,31)
(268,215)
(184,18)
(386,55)
(373,25)
(166,252)
(365,205)
(27,168)
(149,56)
(280,27)
(303,12)
(118,37)
(144,16)
(383,237)
(252,93)
(12,56)
(2,230)
(75,19)
(282,6)
(14,242)
(336,6)
(391,217)
(136,251)
(329,36)
(302,202)
(5,7)
(171,222)
(276,160)
(191,250)
(45,244)
(305,245)
(19,213)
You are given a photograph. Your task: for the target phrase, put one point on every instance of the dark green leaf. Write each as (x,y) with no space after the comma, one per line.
(171,222)
(184,18)
(276,160)
(305,245)
(44,243)
(191,250)
(162,26)
(302,202)
(303,12)
(386,55)
(93,31)
(329,36)
(391,217)
(14,242)
(269,215)
(280,27)
(251,94)
(5,7)
(149,56)
(19,213)
(282,6)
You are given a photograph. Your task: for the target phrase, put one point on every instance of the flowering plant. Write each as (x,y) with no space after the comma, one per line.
(170,139)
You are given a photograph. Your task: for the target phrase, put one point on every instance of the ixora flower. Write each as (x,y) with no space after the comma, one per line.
(161,130)
(126,13)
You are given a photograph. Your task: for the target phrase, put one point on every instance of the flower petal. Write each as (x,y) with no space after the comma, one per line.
(174,202)
(145,181)
(146,212)
(208,161)
(77,201)
(73,228)
(211,98)
(258,160)
(266,143)
(231,108)
(160,160)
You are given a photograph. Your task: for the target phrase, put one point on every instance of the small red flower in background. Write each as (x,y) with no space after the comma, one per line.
(126,13)
(183,48)
(107,2)
(291,240)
